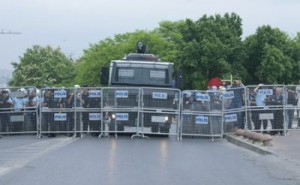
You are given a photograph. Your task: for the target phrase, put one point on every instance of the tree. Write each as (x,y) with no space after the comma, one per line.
(275,67)
(100,54)
(295,54)
(43,66)
(209,47)
(269,53)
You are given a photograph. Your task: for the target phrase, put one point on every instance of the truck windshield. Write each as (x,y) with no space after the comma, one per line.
(141,76)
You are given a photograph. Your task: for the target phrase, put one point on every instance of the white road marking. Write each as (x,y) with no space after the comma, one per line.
(14,158)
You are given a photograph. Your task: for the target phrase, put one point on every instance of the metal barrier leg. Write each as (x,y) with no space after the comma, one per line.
(140,136)
(106,125)
(103,134)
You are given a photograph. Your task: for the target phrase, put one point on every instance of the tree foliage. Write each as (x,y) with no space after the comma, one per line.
(269,57)
(275,67)
(100,54)
(295,54)
(211,46)
(208,47)
(43,66)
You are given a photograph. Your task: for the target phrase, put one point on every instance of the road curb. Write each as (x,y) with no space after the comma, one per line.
(246,144)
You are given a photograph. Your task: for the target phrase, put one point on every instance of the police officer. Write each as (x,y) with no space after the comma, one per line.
(276,102)
(238,102)
(49,116)
(95,103)
(258,103)
(5,104)
(74,101)
(85,104)
(32,105)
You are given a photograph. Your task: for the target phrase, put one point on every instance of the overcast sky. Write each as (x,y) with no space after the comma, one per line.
(75,24)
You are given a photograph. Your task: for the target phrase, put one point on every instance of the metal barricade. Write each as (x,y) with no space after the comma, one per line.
(201,113)
(18,110)
(265,108)
(94,110)
(90,111)
(57,113)
(120,110)
(87,113)
(292,107)
(71,111)
(160,111)
(234,108)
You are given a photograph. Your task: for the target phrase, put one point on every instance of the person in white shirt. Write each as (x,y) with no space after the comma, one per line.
(6,104)
(298,104)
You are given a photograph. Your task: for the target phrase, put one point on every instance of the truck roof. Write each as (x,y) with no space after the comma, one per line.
(143,64)
(141,57)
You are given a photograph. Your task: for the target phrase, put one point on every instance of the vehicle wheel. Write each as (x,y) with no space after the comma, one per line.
(111,128)
(154,129)
(120,128)
(165,129)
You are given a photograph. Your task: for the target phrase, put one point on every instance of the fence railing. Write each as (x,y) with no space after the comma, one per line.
(139,111)
(18,110)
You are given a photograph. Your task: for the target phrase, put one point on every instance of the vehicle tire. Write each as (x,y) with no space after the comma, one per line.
(120,127)
(165,129)
(154,129)
(111,128)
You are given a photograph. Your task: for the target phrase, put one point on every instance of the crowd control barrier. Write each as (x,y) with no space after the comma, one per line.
(18,110)
(272,108)
(70,111)
(160,111)
(120,110)
(234,108)
(201,113)
(141,111)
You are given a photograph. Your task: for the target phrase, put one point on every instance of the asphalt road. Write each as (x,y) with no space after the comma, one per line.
(26,160)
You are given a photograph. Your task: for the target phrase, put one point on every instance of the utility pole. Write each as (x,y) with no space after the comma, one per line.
(10,32)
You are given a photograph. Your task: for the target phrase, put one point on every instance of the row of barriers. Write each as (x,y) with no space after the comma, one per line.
(142,111)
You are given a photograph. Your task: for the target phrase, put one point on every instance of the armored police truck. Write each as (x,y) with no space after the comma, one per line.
(152,105)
